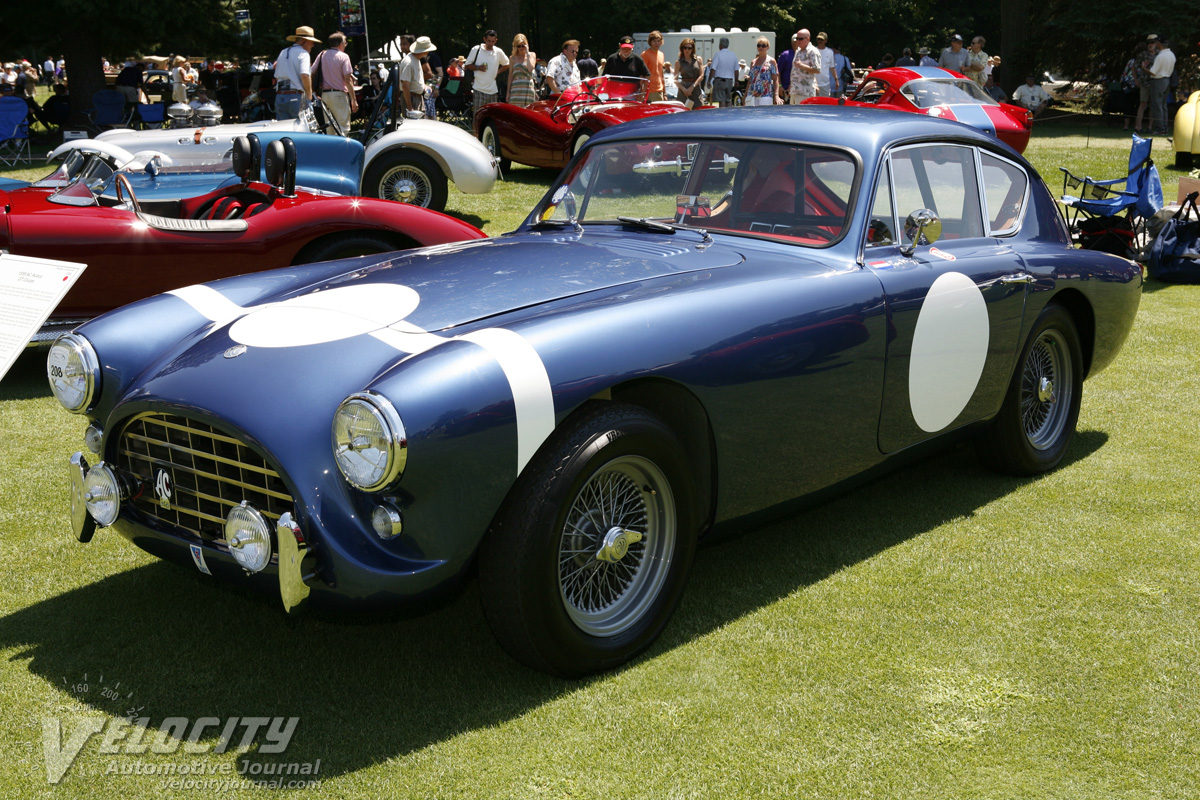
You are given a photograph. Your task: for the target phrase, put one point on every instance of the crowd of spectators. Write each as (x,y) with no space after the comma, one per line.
(811,66)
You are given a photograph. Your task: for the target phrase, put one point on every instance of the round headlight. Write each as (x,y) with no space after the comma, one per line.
(249,538)
(102,495)
(369,442)
(73,371)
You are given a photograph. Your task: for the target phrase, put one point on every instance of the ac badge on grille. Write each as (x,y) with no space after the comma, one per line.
(162,488)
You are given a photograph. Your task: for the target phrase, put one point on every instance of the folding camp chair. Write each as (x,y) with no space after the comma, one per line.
(108,111)
(152,115)
(1140,197)
(14,131)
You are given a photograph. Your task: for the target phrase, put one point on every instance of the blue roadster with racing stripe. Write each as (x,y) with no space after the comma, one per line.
(706,317)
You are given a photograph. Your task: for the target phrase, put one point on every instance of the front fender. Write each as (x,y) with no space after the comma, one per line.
(460,155)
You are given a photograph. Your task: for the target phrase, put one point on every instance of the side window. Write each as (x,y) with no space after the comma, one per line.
(942,179)
(1005,187)
(880,228)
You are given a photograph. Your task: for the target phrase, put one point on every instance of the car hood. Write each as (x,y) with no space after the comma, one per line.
(450,286)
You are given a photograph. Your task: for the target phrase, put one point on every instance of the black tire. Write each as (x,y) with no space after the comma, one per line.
(491,140)
(406,176)
(1031,433)
(345,245)
(565,588)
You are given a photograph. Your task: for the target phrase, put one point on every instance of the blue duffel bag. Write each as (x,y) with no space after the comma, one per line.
(1175,254)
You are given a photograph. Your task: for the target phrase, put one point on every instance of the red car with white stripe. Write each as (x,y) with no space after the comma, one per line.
(940,93)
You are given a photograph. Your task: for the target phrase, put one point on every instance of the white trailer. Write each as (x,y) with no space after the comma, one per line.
(741,42)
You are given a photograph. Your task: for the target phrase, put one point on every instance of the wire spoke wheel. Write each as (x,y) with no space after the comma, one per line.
(1034,427)
(1046,387)
(588,558)
(405,175)
(616,545)
(407,184)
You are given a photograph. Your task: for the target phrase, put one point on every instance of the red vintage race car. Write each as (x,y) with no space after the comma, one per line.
(549,132)
(90,213)
(939,93)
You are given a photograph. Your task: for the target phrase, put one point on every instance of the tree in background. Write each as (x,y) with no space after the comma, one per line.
(83,32)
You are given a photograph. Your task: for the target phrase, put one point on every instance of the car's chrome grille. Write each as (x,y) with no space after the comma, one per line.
(207,473)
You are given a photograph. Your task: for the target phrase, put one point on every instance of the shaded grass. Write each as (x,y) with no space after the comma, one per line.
(941,632)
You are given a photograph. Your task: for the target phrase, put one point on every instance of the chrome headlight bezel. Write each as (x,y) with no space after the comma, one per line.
(102,494)
(73,360)
(248,535)
(370,475)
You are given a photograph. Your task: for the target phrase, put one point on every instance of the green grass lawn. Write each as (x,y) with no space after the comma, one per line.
(942,632)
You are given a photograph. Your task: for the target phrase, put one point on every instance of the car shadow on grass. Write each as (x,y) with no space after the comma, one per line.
(368,689)
(26,379)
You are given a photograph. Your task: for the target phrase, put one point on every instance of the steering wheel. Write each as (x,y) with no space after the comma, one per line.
(125,191)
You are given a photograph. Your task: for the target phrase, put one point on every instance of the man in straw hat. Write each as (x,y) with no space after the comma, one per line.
(293,83)
(412,75)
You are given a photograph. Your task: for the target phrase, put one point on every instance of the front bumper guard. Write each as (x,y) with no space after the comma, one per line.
(294,586)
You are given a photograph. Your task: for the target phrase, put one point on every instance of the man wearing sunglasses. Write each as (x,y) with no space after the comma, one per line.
(806,66)
(562,72)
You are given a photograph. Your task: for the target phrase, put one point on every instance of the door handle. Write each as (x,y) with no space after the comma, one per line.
(1020,277)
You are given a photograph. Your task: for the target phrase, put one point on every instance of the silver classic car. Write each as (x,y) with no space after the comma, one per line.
(408,160)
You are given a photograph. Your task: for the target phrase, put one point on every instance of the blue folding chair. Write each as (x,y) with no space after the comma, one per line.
(108,111)
(152,115)
(1139,198)
(14,131)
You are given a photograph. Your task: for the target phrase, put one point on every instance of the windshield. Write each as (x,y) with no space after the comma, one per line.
(929,93)
(605,89)
(87,185)
(65,172)
(794,193)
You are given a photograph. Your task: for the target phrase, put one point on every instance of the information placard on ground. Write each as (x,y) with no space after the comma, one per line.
(30,290)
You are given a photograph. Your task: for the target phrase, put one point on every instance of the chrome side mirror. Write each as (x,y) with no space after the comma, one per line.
(922,227)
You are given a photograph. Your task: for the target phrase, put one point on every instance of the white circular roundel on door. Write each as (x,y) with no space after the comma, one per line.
(948,352)
(326,316)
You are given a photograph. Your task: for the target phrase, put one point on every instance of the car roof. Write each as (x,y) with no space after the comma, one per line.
(899,75)
(866,130)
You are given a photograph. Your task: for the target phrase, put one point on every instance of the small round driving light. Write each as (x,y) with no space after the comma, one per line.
(102,495)
(249,538)
(386,521)
(369,442)
(73,371)
(93,437)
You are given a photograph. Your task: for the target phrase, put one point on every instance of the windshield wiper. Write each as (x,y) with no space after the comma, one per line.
(650,224)
(664,227)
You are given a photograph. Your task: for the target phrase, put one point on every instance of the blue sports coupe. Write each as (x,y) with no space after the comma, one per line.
(707,316)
